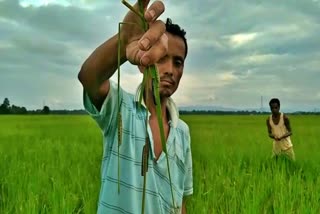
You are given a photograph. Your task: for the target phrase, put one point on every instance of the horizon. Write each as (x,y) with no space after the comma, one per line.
(195,108)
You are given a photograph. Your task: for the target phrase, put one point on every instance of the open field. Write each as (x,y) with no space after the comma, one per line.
(51,164)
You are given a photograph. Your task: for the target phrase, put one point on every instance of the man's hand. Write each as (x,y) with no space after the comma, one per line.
(285,135)
(145,48)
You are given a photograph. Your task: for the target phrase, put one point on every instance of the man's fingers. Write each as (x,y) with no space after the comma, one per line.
(138,56)
(153,44)
(145,3)
(152,36)
(156,52)
(133,53)
(154,11)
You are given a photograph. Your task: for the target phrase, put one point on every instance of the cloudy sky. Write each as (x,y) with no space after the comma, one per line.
(239,51)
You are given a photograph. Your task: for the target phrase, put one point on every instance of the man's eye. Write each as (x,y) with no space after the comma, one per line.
(178,62)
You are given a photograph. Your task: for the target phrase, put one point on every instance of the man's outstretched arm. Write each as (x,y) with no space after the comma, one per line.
(102,63)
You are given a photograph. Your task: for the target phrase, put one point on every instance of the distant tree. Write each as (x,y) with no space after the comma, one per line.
(46,110)
(18,110)
(5,107)
(6,102)
(2,109)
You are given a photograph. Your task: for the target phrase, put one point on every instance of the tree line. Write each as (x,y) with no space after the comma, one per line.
(6,108)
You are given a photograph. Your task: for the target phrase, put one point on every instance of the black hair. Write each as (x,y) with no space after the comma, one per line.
(274,100)
(176,30)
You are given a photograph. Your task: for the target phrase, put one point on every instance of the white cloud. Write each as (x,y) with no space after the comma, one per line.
(240,39)
(226,77)
(43,3)
(260,58)
(201,89)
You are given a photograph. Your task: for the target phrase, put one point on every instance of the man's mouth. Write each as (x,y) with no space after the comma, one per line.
(167,80)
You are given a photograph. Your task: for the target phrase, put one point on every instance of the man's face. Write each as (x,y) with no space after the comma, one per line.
(274,108)
(170,67)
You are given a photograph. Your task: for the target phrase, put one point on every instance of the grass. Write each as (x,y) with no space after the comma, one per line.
(51,164)
(235,174)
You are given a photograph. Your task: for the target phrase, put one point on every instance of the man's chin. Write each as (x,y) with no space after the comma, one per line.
(165,94)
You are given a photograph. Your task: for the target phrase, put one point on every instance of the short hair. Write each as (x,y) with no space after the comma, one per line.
(274,100)
(176,30)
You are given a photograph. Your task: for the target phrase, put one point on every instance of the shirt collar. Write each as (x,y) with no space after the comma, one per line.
(171,106)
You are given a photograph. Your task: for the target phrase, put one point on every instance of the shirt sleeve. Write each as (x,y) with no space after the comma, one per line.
(188,181)
(109,109)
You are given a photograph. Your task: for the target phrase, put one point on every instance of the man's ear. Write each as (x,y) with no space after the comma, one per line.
(141,68)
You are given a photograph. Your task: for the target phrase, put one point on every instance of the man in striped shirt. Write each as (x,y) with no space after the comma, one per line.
(164,45)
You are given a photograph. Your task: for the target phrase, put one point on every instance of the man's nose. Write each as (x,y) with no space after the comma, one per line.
(169,68)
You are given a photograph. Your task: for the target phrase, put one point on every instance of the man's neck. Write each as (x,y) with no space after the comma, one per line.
(152,107)
(276,114)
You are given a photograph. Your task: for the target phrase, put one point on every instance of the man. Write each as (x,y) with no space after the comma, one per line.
(280,131)
(164,45)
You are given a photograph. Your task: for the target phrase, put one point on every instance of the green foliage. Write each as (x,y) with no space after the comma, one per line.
(46,110)
(5,108)
(49,164)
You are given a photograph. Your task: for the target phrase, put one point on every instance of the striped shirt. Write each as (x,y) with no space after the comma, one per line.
(158,191)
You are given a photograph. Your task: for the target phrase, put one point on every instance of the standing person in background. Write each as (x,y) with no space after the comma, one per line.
(279,130)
